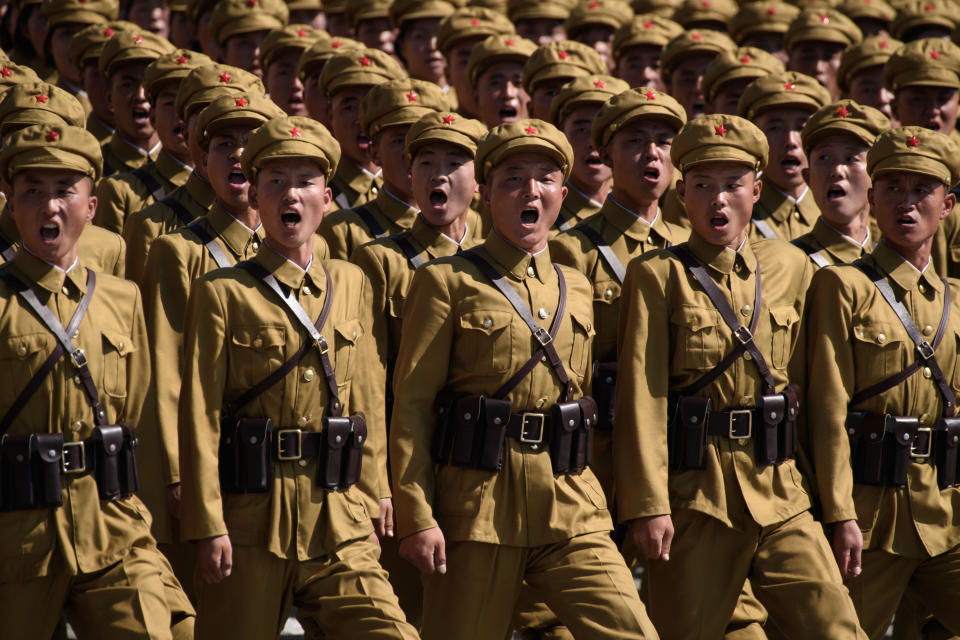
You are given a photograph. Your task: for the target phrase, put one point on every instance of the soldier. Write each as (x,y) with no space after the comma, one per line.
(712,14)
(495,69)
(816,40)
(872,17)
(780,105)
(705,430)
(683,61)
(924,76)
(200,14)
(309,68)
(762,24)
(370,23)
(918,20)
(726,78)
(280,54)
(239,27)
(290,524)
(334,13)
(636,50)
(309,12)
(860,75)
(77,539)
(417,22)
(539,22)
(593,23)
(85,49)
(553,65)
(883,382)
(29,37)
(122,194)
(573,111)
(152,15)
(182,31)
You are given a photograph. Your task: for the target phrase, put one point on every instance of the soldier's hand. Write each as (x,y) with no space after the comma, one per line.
(847,547)
(384,524)
(215,558)
(173,500)
(653,536)
(426,550)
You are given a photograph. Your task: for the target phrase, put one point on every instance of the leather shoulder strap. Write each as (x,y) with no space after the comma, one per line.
(815,255)
(182,212)
(368,219)
(151,183)
(210,243)
(410,251)
(605,251)
(7,250)
(764,228)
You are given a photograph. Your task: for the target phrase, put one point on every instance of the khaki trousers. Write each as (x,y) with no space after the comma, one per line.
(583,580)
(790,566)
(343,595)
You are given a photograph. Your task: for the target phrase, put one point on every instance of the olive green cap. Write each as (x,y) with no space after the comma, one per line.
(240,110)
(173,66)
(691,12)
(471,22)
(592,89)
(294,36)
(334,7)
(868,10)
(719,137)
(565,59)
(39,102)
(87,44)
(872,52)
(365,67)
(929,62)
(634,104)
(539,9)
(822,25)
(12,74)
(51,146)
(305,5)
(444,126)
(644,29)
(405,10)
(740,63)
(766,16)
(399,102)
(496,5)
(844,117)
(779,90)
(359,10)
(915,150)
(587,13)
(314,58)
(79,11)
(689,43)
(131,46)
(663,8)
(178,5)
(233,17)
(287,137)
(210,81)
(522,136)
(496,49)
(923,13)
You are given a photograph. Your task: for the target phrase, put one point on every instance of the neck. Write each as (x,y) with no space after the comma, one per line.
(249,217)
(365,163)
(179,155)
(793,191)
(147,144)
(299,255)
(855,228)
(455,229)
(595,191)
(918,256)
(645,209)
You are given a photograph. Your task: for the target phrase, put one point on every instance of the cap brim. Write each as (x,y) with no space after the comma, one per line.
(282,151)
(914,164)
(839,128)
(526,144)
(722,153)
(51,159)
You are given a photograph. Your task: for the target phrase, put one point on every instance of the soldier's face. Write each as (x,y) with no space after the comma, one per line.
(524,194)
(838,178)
(640,157)
(685,83)
(719,199)
(458,55)
(818,60)
(243,50)
(96,87)
(931,107)
(312,17)
(443,182)
(169,126)
(588,171)
(387,151)
(909,207)
(598,36)
(60,50)
(419,49)
(866,87)
(283,85)
(639,66)
(222,164)
(543,94)
(128,102)
(345,121)
(769,41)
(376,33)
(182,31)
(787,160)
(499,94)
(292,197)
(153,15)
(315,100)
(728,97)
(540,30)
(51,207)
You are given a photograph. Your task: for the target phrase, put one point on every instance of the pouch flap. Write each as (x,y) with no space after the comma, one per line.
(349,330)
(50,446)
(904,429)
(496,412)
(253,431)
(467,410)
(693,411)
(123,344)
(359,430)
(110,438)
(19,448)
(695,318)
(338,432)
(773,408)
(567,413)
(258,336)
(951,429)
(589,411)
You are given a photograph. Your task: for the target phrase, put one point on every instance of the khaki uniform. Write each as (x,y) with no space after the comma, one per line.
(121,155)
(100,129)
(353,186)
(576,208)
(99,249)
(123,194)
(344,231)
(831,245)
(786,217)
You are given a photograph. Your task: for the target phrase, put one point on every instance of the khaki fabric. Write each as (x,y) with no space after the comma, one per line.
(353,186)
(833,245)
(120,155)
(101,250)
(100,129)
(787,218)
(123,194)
(576,208)
(345,230)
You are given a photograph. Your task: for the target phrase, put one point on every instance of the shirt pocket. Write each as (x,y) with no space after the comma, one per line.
(606,292)
(583,333)
(20,357)
(117,347)
(255,352)
(877,351)
(698,342)
(783,331)
(486,341)
(347,335)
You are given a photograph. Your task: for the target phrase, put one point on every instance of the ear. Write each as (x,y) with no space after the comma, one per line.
(949,202)
(327,199)
(110,100)
(252,195)
(757,187)
(204,156)
(681,189)
(605,155)
(895,107)
(373,151)
(484,194)
(870,198)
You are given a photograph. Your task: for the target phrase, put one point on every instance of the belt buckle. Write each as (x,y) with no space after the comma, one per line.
(79,358)
(735,417)
(925,453)
(322,345)
(280,433)
(743,335)
(925,349)
(83,457)
(539,418)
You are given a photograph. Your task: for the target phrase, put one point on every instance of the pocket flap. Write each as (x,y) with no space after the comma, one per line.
(877,333)
(487,321)
(584,322)
(784,316)
(24,346)
(258,337)
(121,343)
(695,318)
(350,330)
(606,291)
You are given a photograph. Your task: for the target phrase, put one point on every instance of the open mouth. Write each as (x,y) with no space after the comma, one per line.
(906,220)
(290,219)
(49,232)
(593,160)
(718,221)
(363,142)
(698,107)
(438,198)
(178,130)
(236,177)
(508,113)
(140,114)
(835,193)
(790,164)
(529,216)
(651,174)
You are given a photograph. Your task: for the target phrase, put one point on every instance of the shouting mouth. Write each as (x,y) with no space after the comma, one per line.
(49,232)
(835,193)
(236,178)
(508,113)
(290,219)
(529,216)
(438,198)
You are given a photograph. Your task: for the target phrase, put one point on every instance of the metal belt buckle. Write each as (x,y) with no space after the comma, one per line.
(79,358)
(322,344)
(543,336)
(526,418)
(279,436)
(64,465)
(925,349)
(743,335)
(924,453)
(736,418)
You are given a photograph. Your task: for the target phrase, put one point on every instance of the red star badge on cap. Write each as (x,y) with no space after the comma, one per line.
(5,72)
(448,119)
(928,7)
(83,1)
(705,4)
(824,18)
(138,40)
(599,84)
(41,98)
(225,78)
(412,96)
(789,86)
(475,22)
(182,60)
(295,133)
(301,33)
(241,102)
(251,3)
(843,112)
(721,130)
(697,36)
(771,11)
(508,42)
(531,131)
(935,54)
(593,5)
(53,136)
(108,32)
(650,95)
(746,59)
(563,55)
(336,44)
(648,24)
(884,44)
(912,141)
(364,61)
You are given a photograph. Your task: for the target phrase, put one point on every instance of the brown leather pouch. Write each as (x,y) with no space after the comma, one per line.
(496,415)
(465,421)
(47,466)
(604,388)
(339,431)
(946,445)
(129,478)
(788,440)
(772,410)
(231,480)
(108,440)
(866,446)
(441,446)
(353,452)
(17,472)
(901,432)
(581,450)
(253,439)
(688,433)
(565,419)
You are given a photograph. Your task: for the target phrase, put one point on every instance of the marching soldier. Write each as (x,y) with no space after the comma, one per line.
(860,75)
(762,25)
(309,68)
(814,43)
(636,49)
(495,69)
(370,22)
(239,28)
(539,22)
(417,22)
(683,62)
(85,48)
(593,23)
(280,54)
(726,78)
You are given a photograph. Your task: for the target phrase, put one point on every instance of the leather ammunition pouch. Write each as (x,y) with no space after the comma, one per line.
(946,438)
(604,387)
(571,435)
(245,454)
(116,465)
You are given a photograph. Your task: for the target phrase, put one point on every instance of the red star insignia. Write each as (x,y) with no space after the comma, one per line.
(824,18)
(182,60)
(53,136)
(5,72)
(474,22)
(746,59)
(789,86)
(83,1)
(225,78)
(508,42)
(912,141)
(108,32)
(599,84)
(721,130)
(935,55)
(705,4)
(697,36)
(448,119)
(531,131)
(336,44)
(364,61)
(928,7)
(650,95)
(883,44)
(563,55)
(296,133)
(868,1)
(138,40)
(843,112)
(251,3)
(771,11)
(648,24)
(593,5)
(42,98)
(301,33)
(412,96)
(241,102)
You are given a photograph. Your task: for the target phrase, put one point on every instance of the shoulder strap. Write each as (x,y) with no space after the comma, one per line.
(605,251)
(563,224)
(182,212)
(925,350)
(410,251)
(211,244)
(544,337)
(313,329)
(340,197)
(743,335)
(7,250)
(812,252)
(151,183)
(764,228)
(368,219)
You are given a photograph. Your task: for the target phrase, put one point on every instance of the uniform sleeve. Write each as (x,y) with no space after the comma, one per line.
(565,250)
(138,367)
(111,204)
(640,439)
(138,236)
(335,231)
(420,374)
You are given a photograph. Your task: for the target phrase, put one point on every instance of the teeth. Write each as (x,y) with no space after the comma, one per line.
(51,226)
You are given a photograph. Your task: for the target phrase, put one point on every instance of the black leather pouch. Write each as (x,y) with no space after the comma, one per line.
(441,446)
(946,443)
(231,480)
(565,419)
(353,452)
(788,440)
(47,465)
(129,478)
(16,469)
(338,431)
(465,421)
(901,433)
(688,433)
(773,409)
(604,387)
(253,436)
(496,415)
(108,443)
(866,446)
(581,449)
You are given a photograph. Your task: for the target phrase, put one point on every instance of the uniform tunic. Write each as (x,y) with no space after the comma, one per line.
(788,218)
(123,194)
(835,247)
(353,186)
(345,230)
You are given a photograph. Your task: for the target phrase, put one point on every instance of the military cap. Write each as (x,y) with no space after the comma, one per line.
(233,17)
(695,12)
(719,137)
(845,116)
(79,11)
(689,43)
(789,89)
(296,5)
(399,102)
(360,10)
(87,44)
(293,36)
(873,51)
(915,150)
(365,67)
(334,7)
(644,29)
(39,102)
(527,135)
(197,8)
(173,66)
(321,50)
(930,62)
(286,137)
(497,5)
(131,46)
(239,110)
(916,14)
(471,22)
(405,10)
(495,49)
(634,104)
(539,9)
(737,64)
(765,16)
(12,74)
(444,126)
(592,89)
(878,10)
(821,25)
(663,8)
(51,146)
(207,82)
(565,59)
(587,13)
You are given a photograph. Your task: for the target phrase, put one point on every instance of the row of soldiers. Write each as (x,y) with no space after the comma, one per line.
(785,453)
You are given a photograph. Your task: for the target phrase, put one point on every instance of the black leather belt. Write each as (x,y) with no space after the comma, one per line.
(529,427)
(78,457)
(295,444)
(736,424)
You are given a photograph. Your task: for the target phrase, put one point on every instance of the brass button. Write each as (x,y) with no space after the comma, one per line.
(486,322)
(255,245)
(309,375)
(589,326)
(881,338)
(796,215)
(302,421)
(747,356)
(541,402)
(354,334)
(924,418)
(543,358)
(64,291)
(542,313)
(531,271)
(76,379)
(745,310)
(738,267)
(608,294)
(21,349)
(923,288)
(120,345)
(306,290)
(650,239)
(927,373)
(258,342)
(860,333)
(76,426)
(302,462)
(76,334)
(927,330)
